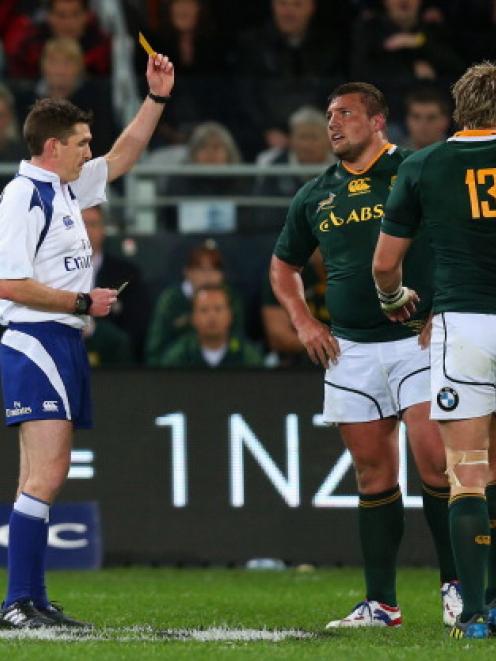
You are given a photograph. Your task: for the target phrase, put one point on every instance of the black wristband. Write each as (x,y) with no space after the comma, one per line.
(83,304)
(158,99)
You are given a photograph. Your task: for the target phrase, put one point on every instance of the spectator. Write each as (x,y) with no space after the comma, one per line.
(212,344)
(396,48)
(131,313)
(63,77)
(65,18)
(15,17)
(210,145)
(172,316)
(11,147)
(308,145)
(282,338)
(428,118)
(187,33)
(289,62)
(106,344)
(474,25)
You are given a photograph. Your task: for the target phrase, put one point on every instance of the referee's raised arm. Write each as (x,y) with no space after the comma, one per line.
(46,296)
(135,137)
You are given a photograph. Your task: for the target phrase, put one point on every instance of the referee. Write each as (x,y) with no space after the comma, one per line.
(45,300)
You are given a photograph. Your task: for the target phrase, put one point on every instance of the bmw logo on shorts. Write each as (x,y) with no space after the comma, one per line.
(447,399)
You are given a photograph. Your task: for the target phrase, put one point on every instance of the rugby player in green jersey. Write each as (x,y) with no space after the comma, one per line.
(449,190)
(376,370)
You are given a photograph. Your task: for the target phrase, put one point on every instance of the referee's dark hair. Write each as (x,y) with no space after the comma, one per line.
(52,118)
(372,97)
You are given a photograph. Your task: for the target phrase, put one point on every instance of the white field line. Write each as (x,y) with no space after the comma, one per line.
(148,634)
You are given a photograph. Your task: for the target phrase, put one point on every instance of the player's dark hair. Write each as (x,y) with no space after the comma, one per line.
(429,95)
(372,97)
(52,118)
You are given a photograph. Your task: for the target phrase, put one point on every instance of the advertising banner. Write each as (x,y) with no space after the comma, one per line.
(219,467)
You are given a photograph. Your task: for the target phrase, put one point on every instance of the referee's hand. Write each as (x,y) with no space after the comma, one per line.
(322,347)
(102,301)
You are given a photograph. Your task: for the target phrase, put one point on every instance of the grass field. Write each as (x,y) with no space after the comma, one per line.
(143,613)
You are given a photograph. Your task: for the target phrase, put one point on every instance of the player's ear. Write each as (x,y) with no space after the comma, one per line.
(51,147)
(379,122)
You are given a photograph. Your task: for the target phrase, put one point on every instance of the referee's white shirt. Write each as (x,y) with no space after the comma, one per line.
(43,237)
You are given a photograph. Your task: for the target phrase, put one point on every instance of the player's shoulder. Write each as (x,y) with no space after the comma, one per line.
(18,191)
(315,185)
(303,193)
(399,153)
(414,164)
(422,155)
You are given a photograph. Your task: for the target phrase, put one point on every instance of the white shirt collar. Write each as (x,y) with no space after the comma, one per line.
(187,288)
(29,170)
(214,356)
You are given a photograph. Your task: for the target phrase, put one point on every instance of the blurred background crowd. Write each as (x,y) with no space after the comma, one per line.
(192,231)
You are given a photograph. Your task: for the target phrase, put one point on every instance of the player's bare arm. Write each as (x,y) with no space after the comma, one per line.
(398,302)
(315,336)
(38,296)
(133,140)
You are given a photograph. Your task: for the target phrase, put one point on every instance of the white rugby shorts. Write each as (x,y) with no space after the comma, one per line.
(374,380)
(463,355)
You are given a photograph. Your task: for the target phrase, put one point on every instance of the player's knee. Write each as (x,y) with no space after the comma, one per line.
(467,471)
(374,478)
(434,473)
(46,483)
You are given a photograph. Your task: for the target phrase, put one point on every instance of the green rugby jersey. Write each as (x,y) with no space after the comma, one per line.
(340,211)
(450,187)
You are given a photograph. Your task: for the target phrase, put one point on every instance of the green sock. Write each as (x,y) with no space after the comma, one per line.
(436,501)
(470,538)
(381,523)
(491,574)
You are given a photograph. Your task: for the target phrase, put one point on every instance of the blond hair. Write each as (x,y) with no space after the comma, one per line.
(65,46)
(207,131)
(475,97)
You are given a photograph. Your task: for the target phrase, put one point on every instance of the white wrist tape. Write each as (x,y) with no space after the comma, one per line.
(394,300)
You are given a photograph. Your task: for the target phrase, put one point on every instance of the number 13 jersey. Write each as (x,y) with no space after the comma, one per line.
(451,188)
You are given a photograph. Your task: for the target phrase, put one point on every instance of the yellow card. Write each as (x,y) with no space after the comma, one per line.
(146,45)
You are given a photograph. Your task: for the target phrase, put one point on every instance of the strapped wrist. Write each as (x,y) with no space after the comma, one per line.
(83,303)
(390,302)
(159,99)
(389,297)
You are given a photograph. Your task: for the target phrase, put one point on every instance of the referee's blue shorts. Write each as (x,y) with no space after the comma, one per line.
(45,374)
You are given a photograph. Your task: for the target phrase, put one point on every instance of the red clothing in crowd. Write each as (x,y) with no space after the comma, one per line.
(24,39)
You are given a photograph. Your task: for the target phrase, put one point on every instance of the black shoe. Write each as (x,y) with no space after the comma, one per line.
(476,627)
(491,617)
(23,615)
(55,613)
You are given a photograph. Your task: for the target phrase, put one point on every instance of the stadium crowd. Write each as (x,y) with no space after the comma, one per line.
(252,84)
